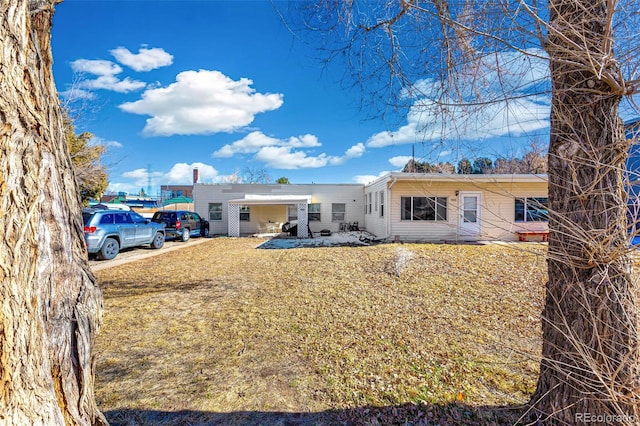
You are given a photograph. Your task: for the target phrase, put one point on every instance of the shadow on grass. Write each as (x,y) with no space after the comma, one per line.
(407,414)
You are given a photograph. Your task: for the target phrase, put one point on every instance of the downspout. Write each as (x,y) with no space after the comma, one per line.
(388,218)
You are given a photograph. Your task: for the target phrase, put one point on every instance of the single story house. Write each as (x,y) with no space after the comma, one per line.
(245,209)
(398,206)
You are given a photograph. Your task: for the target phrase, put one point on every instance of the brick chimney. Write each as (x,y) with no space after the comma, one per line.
(196,175)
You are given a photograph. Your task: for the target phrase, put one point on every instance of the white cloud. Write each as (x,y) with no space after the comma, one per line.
(96,67)
(96,140)
(355,151)
(74,94)
(201,102)
(365,179)
(513,102)
(400,161)
(250,144)
(106,76)
(182,173)
(286,153)
(144,60)
(514,117)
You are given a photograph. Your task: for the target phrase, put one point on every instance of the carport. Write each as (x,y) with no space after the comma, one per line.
(300,201)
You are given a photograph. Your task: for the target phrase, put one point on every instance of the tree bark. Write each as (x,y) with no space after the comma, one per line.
(50,305)
(589,367)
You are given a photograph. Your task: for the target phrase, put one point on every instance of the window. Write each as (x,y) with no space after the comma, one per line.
(122,218)
(375,204)
(368,207)
(532,209)
(245,214)
(292,212)
(381,204)
(314,212)
(424,208)
(338,211)
(215,211)
(106,219)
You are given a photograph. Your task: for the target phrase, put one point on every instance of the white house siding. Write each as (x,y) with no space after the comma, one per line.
(497,207)
(325,194)
(377,221)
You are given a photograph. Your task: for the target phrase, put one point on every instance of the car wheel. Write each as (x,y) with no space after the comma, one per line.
(186,234)
(110,249)
(158,241)
(204,232)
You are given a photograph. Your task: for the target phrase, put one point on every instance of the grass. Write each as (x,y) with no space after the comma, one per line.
(223,333)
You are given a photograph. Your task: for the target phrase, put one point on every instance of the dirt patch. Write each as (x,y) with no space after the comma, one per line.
(129,255)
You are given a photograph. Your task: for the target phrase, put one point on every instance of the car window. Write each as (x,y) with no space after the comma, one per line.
(137,218)
(184,216)
(86,216)
(106,219)
(165,216)
(196,217)
(123,218)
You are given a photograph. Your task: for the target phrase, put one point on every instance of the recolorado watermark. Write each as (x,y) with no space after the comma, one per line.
(611,419)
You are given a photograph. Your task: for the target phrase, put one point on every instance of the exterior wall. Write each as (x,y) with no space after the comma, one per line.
(325,194)
(377,221)
(496,215)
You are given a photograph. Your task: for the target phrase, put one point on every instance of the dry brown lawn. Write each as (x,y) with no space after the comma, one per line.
(224,333)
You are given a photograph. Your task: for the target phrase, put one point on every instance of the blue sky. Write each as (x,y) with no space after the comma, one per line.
(224,85)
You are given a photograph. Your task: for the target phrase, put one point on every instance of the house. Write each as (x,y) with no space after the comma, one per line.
(456,207)
(398,206)
(245,209)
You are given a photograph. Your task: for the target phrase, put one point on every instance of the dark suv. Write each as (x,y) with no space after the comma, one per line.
(182,224)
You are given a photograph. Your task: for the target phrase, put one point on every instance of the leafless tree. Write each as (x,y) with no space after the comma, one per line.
(256,175)
(449,61)
(51,306)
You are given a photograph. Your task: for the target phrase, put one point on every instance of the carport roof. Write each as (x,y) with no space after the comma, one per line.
(252,199)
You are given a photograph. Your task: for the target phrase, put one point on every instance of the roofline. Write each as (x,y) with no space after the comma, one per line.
(285,185)
(451,177)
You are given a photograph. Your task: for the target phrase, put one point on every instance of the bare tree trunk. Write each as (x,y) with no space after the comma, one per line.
(50,305)
(589,368)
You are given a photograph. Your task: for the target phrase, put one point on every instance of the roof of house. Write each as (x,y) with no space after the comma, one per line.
(271,199)
(450,177)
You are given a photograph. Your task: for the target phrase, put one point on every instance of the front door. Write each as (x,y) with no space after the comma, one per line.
(470,214)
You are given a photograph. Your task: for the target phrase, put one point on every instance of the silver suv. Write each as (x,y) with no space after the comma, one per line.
(108,231)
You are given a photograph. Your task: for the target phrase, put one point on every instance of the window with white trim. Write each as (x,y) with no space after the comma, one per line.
(215,211)
(245,214)
(424,208)
(314,212)
(338,212)
(292,212)
(531,209)
(381,210)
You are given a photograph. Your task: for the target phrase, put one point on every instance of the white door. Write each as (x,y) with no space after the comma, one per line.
(470,214)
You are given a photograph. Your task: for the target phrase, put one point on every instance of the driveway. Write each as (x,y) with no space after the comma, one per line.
(129,255)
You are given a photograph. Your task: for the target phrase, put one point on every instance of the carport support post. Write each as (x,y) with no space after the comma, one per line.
(303,220)
(234,220)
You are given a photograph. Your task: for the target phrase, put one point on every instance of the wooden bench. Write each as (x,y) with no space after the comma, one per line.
(523,235)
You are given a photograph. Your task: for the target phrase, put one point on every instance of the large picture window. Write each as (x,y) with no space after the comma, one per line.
(215,211)
(532,209)
(338,211)
(424,208)
(314,212)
